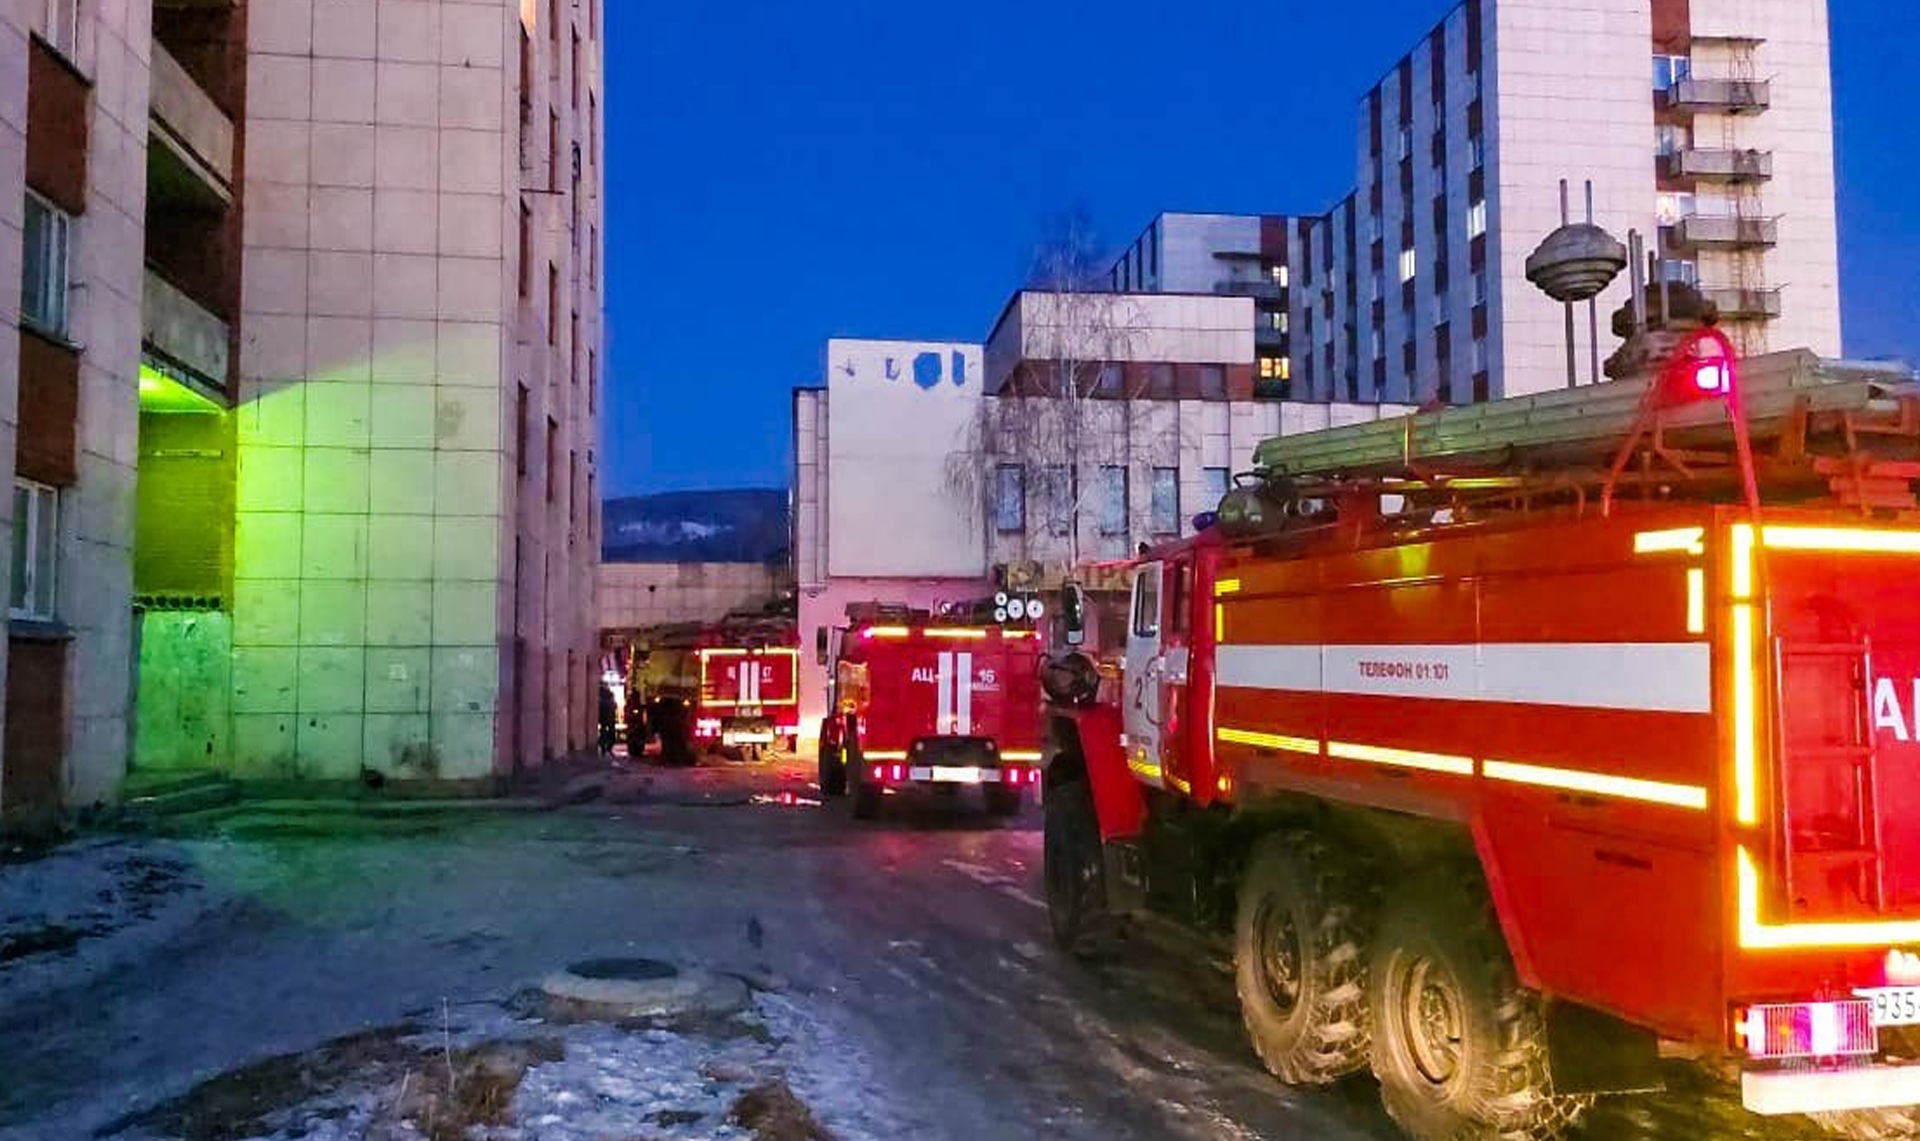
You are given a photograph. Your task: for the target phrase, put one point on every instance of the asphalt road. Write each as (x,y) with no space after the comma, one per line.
(922,937)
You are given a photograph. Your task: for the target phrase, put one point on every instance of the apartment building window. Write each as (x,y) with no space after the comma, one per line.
(573,500)
(1213,382)
(1279,273)
(1669,70)
(1213,485)
(579,62)
(526,250)
(44,265)
(1277,321)
(1670,138)
(1379,345)
(1166,501)
(1409,265)
(1377,287)
(1479,354)
(1477,218)
(593,130)
(1110,381)
(1057,486)
(1113,500)
(520,431)
(553,151)
(1680,272)
(1479,287)
(593,506)
(36,550)
(63,26)
(553,303)
(1406,142)
(593,381)
(1010,499)
(1373,227)
(1153,251)
(1476,152)
(1668,209)
(553,457)
(1276,368)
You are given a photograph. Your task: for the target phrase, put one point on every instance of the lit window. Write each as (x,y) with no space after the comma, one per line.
(1166,501)
(1113,501)
(1479,355)
(1477,219)
(1670,208)
(1279,275)
(44,262)
(1010,499)
(1286,368)
(1277,321)
(1409,264)
(1406,142)
(36,549)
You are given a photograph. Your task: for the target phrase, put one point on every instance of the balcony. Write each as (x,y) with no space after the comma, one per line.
(190,143)
(1267,336)
(181,332)
(1700,232)
(1691,167)
(1250,287)
(1694,96)
(1736,304)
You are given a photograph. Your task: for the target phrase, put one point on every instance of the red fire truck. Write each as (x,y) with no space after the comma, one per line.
(938,703)
(730,684)
(1506,743)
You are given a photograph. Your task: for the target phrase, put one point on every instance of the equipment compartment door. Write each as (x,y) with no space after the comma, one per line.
(1146,665)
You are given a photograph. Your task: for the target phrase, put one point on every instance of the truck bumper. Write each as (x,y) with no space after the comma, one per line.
(1774,1092)
(955,774)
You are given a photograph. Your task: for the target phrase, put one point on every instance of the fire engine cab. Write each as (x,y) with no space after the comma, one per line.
(944,703)
(1505,743)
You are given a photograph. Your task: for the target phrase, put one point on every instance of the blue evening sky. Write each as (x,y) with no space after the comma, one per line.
(779,173)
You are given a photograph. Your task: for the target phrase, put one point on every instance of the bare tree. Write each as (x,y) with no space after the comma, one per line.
(1063,413)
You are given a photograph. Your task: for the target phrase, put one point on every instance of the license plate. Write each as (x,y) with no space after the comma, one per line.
(750,738)
(943,774)
(1894,1005)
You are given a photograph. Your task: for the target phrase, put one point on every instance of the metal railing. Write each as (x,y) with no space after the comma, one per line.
(1728,96)
(1725,232)
(1717,166)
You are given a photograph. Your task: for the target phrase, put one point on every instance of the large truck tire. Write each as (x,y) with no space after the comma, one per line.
(866,796)
(1003,800)
(1300,960)
(833,771)
(1076,874)
(670,720)
(1459,1046)
(1870,1124)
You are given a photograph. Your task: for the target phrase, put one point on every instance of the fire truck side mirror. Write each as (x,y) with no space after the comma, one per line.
(1073,614)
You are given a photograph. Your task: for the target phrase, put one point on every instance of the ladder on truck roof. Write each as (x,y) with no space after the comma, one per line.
(1822,430)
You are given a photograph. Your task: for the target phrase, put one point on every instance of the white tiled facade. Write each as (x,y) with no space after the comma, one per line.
(635,596)
(1460,152)
(107,46)
(418,417)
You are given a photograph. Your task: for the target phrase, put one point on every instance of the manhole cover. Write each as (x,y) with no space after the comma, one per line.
(624,970)
(645,988)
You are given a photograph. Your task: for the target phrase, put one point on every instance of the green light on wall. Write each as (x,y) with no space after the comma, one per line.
(162,393)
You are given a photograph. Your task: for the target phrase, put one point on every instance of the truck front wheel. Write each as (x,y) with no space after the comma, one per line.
(1300,962)
(833,771)
(1459,1046)
(1076,873)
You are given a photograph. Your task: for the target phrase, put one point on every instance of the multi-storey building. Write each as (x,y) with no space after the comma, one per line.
(1704,124)
(928,473)
(307,404)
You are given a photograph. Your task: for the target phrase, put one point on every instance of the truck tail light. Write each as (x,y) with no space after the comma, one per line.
(879,772)
(898,773)
(1808,1030)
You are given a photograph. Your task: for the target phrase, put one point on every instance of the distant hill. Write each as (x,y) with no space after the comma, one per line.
(746,525)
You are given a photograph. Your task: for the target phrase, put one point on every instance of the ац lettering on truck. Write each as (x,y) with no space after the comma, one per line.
(1559,760)
(929,704)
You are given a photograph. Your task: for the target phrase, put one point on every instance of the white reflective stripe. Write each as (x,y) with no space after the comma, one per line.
(943,706)
(963,692)
(1658,677)
(1178,662)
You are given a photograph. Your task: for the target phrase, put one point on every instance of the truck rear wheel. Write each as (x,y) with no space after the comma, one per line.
(1076,873)
(866,797)
(1300,962)
(1459,1046)
(833,771)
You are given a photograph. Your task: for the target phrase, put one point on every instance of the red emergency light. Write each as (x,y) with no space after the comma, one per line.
(1703,369)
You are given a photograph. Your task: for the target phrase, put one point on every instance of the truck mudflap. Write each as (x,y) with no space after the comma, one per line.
(1772,1093)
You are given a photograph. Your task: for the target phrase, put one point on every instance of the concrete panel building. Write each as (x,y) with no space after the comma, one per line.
(1704,124)
(302,409)
(930,473)
(636,596)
